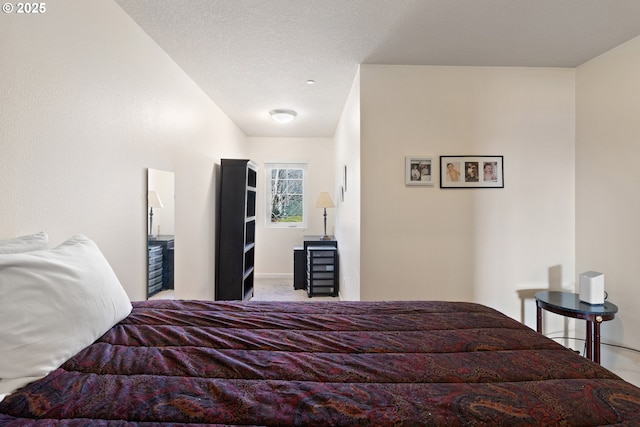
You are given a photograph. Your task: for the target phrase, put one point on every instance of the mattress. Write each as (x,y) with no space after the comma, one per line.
(320,364)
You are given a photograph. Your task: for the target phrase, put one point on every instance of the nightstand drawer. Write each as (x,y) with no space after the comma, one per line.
(322,270)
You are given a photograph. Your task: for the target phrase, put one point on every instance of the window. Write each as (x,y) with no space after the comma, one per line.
(285,183)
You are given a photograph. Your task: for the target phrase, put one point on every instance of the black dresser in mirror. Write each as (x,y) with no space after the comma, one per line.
(161,261)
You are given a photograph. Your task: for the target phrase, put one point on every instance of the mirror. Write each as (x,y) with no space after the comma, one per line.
(160,234)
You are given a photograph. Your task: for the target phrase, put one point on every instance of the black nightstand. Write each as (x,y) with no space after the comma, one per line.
(166,242)
(322,270)
(318,241)
(569,305)
(300,258)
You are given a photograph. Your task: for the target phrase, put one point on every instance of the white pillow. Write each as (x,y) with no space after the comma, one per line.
(53,304)
(31,242)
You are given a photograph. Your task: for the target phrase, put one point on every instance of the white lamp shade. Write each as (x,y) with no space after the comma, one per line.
(153,199)
(325,201)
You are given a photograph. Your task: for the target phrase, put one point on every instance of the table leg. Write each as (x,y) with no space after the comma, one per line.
(596,342)
(538,319)
(589,340)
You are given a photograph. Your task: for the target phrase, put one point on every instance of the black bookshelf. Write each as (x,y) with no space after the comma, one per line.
(236,230)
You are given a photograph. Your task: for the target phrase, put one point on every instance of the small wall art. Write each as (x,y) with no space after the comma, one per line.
(344,177)
(471,172)
(418,171)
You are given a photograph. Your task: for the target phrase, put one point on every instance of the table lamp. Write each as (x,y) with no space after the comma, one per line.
(153,201)
(325,202)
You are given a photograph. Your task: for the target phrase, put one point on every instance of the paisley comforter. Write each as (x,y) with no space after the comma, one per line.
(317,363)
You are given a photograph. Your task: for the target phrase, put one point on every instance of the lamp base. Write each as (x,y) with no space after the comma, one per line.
(325,237)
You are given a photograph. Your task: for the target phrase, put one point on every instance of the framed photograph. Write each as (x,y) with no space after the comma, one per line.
(471,172)
(418,171)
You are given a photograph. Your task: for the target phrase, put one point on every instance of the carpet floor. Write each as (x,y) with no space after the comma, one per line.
(282,290)
(269,290)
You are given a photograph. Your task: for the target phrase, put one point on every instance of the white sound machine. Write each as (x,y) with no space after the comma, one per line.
(592,287)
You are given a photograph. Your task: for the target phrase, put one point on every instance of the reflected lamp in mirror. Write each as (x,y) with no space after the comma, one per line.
(153,201)
(325,202)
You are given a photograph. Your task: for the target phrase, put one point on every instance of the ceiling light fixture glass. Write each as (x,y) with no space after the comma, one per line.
(283,116)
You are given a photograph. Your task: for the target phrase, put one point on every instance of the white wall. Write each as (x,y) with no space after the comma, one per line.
(481,245)
(274,246)
(348,211)
(88,103)
(607,195)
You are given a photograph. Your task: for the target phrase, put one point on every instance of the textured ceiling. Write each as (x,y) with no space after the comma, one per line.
(253,56)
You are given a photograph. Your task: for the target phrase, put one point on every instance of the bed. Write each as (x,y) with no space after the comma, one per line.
(318,363)
(407,363)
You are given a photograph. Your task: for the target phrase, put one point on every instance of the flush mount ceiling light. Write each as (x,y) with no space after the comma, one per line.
(283,116)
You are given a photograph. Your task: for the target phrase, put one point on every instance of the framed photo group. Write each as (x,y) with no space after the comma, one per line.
(457,171)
